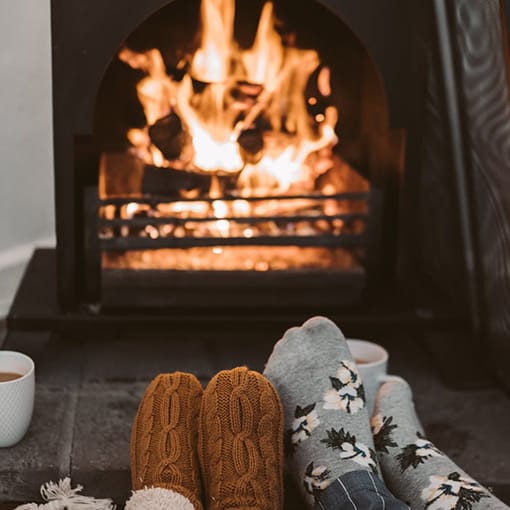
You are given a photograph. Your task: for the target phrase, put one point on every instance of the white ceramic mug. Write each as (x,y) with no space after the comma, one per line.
(372,362)
(16,397)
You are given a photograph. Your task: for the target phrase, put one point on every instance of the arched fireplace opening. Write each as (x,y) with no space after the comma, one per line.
(240,138)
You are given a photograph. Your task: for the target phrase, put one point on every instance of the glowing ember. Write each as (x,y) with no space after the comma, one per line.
(230,258)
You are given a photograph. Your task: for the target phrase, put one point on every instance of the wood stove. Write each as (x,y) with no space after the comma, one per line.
(390,226)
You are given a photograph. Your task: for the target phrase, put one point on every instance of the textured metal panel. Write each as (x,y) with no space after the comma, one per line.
(440,239)
(485,96)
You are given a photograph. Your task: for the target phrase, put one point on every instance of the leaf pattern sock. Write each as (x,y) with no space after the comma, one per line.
(413,468)
(326,423)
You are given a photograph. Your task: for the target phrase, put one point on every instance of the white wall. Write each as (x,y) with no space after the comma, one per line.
(26,155)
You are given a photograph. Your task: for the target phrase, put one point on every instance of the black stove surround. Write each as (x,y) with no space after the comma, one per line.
(433,74)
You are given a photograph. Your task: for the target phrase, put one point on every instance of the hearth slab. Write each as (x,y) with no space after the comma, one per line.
(45,452)
(36,308)
(88,391)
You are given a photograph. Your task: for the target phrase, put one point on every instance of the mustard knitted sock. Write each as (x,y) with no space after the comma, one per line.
(163,445)
(240,442)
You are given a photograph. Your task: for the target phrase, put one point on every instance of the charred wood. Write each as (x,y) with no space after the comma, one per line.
(245,94)
(168,136)
(170,182)
(251,142)
(178,72)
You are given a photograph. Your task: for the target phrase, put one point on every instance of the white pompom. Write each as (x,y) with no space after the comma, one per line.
(157,498)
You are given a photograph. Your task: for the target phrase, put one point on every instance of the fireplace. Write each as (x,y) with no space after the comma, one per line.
(248,145)
(243,159)
(233,166)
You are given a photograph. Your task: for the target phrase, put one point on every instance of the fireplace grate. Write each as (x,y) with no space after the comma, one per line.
(122,234)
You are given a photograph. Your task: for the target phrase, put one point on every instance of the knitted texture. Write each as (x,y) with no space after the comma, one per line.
(240,442)
(327,431)
(164,436)
(413,468)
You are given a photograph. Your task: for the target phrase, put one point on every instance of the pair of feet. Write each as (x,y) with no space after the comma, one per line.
(219,448)
(329,433)
(222,448)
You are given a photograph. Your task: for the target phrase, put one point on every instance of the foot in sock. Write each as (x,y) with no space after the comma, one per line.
(164,464)
(240,442)
(327,432)
(413,468)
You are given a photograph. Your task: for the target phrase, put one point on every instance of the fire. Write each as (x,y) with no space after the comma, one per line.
(270,77)
(211,62)
(260,119)
(156,90)
(214,149)
(263,61)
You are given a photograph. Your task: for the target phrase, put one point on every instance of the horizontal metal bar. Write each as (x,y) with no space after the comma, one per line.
(156,199)
(142,222)
(144,243)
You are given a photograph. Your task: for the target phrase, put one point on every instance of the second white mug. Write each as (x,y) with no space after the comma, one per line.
(372,362)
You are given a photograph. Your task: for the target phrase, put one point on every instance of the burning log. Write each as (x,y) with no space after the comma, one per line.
(260,103)
(251,142)
(245,94)
(178,72)
(168,181)
(168,136)
(199,86)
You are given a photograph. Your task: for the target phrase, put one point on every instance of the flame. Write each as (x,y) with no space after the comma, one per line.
(264,60)
(215,150)
(227,92)
(211,62)
(155,92)
(212,117)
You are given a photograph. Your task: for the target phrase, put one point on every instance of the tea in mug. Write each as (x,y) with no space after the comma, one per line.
(9,376)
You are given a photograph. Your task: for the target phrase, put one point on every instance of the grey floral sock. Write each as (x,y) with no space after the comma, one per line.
(327,432)
(413,468)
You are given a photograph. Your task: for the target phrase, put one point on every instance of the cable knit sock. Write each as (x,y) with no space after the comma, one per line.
(413,468)
(164,464)
(240,442)
(327,432)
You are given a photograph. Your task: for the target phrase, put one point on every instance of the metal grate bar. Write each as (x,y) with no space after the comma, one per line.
(142,222)
(144,243)
(166,200)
